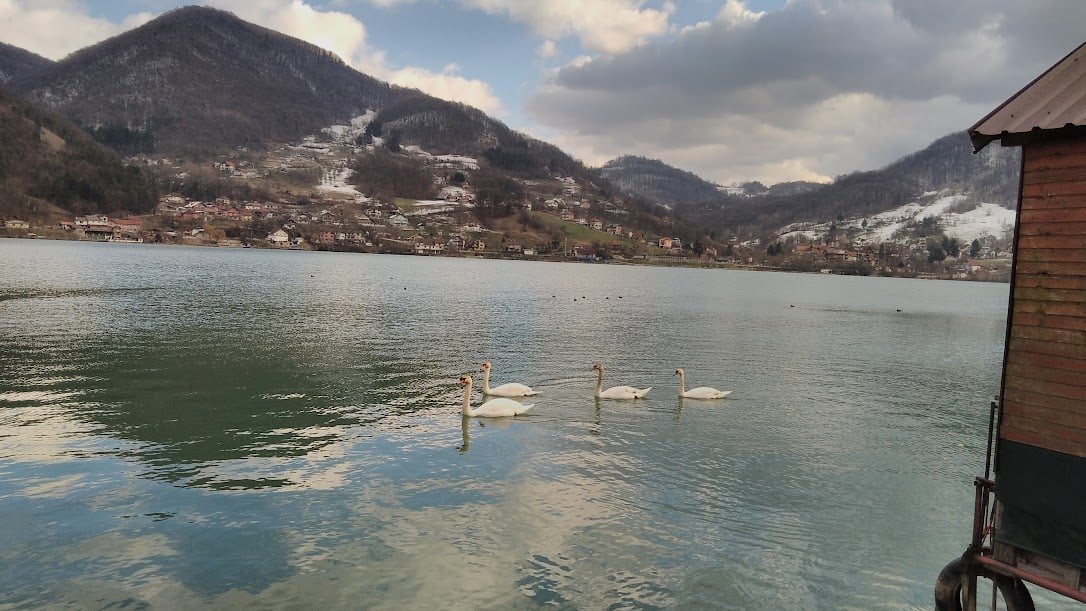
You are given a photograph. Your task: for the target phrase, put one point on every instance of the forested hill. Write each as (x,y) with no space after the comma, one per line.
(47,161)
(990,176)
(197,81)
(16,63)
(656,181)
(443,127)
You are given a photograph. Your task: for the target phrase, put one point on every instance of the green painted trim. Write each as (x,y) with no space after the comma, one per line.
(1043,494)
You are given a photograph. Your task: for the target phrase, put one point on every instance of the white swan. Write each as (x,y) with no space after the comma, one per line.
(701,392)
(617,392)
(494,408)
(512,389)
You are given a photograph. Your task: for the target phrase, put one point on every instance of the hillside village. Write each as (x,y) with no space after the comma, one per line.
(185,162)
(561,226)
(320,207)
(560,218)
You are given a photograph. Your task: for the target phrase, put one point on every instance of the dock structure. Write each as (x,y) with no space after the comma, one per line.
(1030,510)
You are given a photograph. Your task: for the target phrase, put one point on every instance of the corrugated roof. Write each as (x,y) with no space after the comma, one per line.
(1054,100)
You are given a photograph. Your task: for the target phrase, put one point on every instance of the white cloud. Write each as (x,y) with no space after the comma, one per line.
(344,35)
(607,26)
(56,28)
(547,49)
(448,85)
(812,90)
(735,13)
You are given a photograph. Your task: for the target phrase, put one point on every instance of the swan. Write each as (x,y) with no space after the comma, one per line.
(494,408)
(701,392)
(512,389)
(617,392)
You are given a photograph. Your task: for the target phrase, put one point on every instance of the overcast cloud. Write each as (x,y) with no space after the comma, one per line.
(810,91)
(732,90)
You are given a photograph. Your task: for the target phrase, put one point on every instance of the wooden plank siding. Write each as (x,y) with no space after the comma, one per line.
(1044,382)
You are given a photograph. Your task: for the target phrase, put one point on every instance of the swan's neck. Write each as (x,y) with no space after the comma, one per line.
(467,400)
(599,382)
(682,383)
(486,380)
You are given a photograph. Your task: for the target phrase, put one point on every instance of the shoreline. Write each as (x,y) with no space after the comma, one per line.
(644,261)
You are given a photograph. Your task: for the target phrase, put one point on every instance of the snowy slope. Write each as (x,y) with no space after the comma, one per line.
(984,219)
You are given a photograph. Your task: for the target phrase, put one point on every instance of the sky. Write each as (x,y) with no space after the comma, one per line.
(731,90)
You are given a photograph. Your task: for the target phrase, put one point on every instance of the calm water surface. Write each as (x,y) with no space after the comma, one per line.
(210,428)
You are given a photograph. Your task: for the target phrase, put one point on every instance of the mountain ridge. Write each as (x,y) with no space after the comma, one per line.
(201,84)
(17,63)
(197,80)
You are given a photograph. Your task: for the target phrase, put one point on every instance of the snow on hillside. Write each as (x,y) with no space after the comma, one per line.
(982,220)
(345,134)
(336,181)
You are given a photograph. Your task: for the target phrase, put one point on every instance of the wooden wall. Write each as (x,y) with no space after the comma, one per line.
(1044,385)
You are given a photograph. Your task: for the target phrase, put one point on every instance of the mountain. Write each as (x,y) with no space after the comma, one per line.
(197,81)
(656,181)
(442,127)
(46,161)
(947,165)
(198,84)
(16,63)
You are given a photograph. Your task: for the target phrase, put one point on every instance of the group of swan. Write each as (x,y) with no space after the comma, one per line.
(503,406)
(494,408)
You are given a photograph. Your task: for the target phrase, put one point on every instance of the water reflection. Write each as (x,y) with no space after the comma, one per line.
(273,429)
(465,426)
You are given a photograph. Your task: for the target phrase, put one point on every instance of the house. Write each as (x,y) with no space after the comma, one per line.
(1039,446)
(584,253)
(596,224)
(398,220)
(514,248)
(567,215)
(279,237)
(456,243)
(91,219)
(478,245)
(16,224)
(127,228)
(666,243)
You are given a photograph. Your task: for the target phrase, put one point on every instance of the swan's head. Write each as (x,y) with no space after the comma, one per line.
(678,372)
(597,367)
(465,380)
(486,366)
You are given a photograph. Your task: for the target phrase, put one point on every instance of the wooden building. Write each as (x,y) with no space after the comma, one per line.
(1037,523)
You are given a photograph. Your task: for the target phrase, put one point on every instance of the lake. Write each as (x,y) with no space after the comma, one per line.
(222,428)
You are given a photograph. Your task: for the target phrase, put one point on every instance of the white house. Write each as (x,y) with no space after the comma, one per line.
(279,238)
